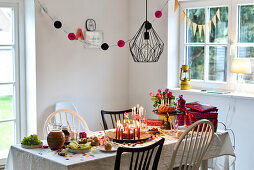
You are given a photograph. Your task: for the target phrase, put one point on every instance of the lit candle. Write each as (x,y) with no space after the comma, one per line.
(138,130)
(124,122)
(128,129)
(122,133)
(116,128)
(134,133)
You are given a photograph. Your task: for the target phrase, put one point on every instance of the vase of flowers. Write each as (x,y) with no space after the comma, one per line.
(162,98)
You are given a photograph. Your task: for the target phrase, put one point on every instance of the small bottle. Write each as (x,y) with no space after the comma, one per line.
(67,135)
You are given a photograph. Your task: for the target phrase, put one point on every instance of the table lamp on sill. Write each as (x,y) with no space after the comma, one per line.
(241,66)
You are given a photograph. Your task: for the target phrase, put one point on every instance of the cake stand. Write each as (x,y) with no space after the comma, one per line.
(166,125)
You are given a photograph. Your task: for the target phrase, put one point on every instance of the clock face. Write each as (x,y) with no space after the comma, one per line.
(90,25)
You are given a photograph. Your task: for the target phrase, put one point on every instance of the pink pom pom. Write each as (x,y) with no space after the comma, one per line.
(71,36)
(158,14)
(120,43)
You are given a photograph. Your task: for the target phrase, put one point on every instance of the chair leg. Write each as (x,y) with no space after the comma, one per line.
(204,165)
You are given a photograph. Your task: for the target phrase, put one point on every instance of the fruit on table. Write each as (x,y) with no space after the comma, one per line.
(108,146)
(31,140)
(75,146)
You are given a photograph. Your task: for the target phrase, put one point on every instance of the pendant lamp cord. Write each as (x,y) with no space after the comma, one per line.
(146,16)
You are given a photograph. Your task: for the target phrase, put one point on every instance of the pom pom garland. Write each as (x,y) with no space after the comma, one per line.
(57,24)
(104,46)
(121,43)
(71,36)
(158,14)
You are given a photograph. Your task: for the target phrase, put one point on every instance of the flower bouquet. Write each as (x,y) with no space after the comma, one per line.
(164,101)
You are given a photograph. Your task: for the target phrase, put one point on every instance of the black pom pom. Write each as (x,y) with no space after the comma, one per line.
(104,46)
(148,25)
(57,24)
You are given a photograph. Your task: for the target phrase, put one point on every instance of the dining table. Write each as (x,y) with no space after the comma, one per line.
(45,159)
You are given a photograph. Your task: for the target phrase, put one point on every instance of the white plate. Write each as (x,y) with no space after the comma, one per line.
(80,151)
(114,148)
(31,146)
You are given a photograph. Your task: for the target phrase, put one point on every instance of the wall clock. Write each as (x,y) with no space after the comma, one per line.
(90,25)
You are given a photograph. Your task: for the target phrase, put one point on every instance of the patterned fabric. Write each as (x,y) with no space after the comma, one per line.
(200,107)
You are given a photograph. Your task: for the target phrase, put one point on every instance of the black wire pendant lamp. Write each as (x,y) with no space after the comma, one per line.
(146,45)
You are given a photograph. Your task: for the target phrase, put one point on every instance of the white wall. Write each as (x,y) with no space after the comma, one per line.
(147,77)
(91,78)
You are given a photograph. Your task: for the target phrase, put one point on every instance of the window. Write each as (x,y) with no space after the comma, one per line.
(9,77)
(210,55)
(206,53)
(245,38)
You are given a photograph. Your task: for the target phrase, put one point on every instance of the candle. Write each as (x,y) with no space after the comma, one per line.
(122,133)
(128,132)
(124,122)
(134,133)
(138,130)
(116,128)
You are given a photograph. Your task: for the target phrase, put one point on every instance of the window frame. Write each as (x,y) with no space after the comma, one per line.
(18,83)
(246,86)
(205,84)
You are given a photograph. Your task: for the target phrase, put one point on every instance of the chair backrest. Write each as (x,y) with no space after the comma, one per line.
(114,116)
(193,145)
(146,153)
(66,117)
(65,105)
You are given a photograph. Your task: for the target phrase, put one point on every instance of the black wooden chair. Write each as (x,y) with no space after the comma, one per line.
(146,153)
(114,115)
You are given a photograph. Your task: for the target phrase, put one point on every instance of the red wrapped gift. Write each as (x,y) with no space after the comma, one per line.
(200,107)
(154,122)
(183,117)
(211,116)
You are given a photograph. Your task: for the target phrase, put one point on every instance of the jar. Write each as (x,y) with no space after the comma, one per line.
(67,135)
(56,137)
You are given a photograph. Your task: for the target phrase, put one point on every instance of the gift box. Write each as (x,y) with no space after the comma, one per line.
(212,116)
(154,122)
(183,119)
(200,107)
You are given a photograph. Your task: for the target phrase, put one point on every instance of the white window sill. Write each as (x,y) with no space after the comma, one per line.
(237,95)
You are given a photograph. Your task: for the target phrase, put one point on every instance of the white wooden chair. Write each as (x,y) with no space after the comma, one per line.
(68,118)
(66,105)
(193,145)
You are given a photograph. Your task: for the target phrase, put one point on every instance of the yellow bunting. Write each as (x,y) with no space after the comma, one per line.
(188,22)
(200,30)
(210,26)
(204,28)
(176,5)
(183,16)
(214,20)
(218,13)
(194,28)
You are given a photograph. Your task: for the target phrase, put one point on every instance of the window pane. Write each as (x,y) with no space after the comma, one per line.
(219,34)
(6,64)
(248,78)
(246,24)
(6,25)
(197,16)
(7,138)
(195,58)
(217,63)
(245,52)
(6,102)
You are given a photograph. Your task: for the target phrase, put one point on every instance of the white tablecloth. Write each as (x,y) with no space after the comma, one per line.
(45,159)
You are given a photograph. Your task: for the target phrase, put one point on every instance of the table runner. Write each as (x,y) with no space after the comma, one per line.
(45,159)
